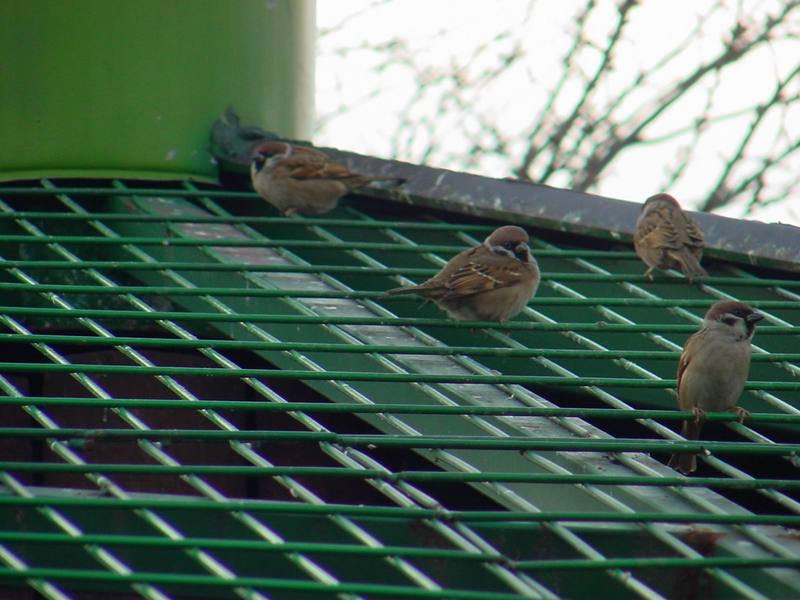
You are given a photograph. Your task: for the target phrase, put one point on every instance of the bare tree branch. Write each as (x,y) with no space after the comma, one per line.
(593,107)
(721,193)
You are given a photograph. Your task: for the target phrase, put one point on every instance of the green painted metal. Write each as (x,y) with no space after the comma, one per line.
(113,71)
(316,407)
(210,581)
(496,518)
(36,312)
(226,291)
(421,456)
(242,544)
(340,269)
(611,382)
(539,565)
(368,348)
(713,482)
(416,442)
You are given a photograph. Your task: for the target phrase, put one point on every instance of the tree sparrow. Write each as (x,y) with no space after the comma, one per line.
(299,179)
(666,238)
(713,368)
(490,282)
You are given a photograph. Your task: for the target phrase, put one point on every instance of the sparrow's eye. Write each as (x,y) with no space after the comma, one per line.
(509,246)
(729,320)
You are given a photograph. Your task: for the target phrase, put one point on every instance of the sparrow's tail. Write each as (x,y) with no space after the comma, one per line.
(688,263)
(411,289)
(686,462)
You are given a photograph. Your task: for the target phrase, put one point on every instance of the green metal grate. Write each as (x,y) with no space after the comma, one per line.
(198,402)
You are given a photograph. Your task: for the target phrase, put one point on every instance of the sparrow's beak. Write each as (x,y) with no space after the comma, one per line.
(754,317)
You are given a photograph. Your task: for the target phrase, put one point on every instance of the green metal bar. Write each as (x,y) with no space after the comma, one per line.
(25,311)
(150,541)
(283,293)
(131,265)
(406,441)
(408,551)
(496,518)
(421,409)
(345,269)
(706,562)
(63,574)
(251,219)
(108,191)
(431,476)
(95,240)
(56,264)
(499,351)
(15,367)
(176,343)
(355,270)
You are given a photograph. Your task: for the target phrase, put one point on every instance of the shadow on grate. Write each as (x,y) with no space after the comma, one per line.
(211,452)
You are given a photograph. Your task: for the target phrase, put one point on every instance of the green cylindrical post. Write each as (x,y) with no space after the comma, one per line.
(114,88)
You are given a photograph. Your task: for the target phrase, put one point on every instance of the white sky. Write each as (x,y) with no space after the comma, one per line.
(443,33)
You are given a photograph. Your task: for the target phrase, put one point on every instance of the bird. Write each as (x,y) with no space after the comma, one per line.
(302,180)
(666,238)
(492,281)
(712,370)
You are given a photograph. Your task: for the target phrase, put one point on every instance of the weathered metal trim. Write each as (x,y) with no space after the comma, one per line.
(771,245)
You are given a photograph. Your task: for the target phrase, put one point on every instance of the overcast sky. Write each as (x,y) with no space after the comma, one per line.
(442,33)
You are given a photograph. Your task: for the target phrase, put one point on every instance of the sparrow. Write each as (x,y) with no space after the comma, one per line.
(713,368)
(490,282)
(666,238)
(299,179)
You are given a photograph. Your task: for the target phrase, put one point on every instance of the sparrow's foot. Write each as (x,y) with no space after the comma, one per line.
(741,413)
(506,332)
(649,274)
(699,415)
(291,212)
(696,281)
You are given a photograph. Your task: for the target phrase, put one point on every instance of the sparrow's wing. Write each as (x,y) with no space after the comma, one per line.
(657,230)
(478,276)
(313,166)
(694,234)
(298,150)
(683,362)
(689,350)
(686,462)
